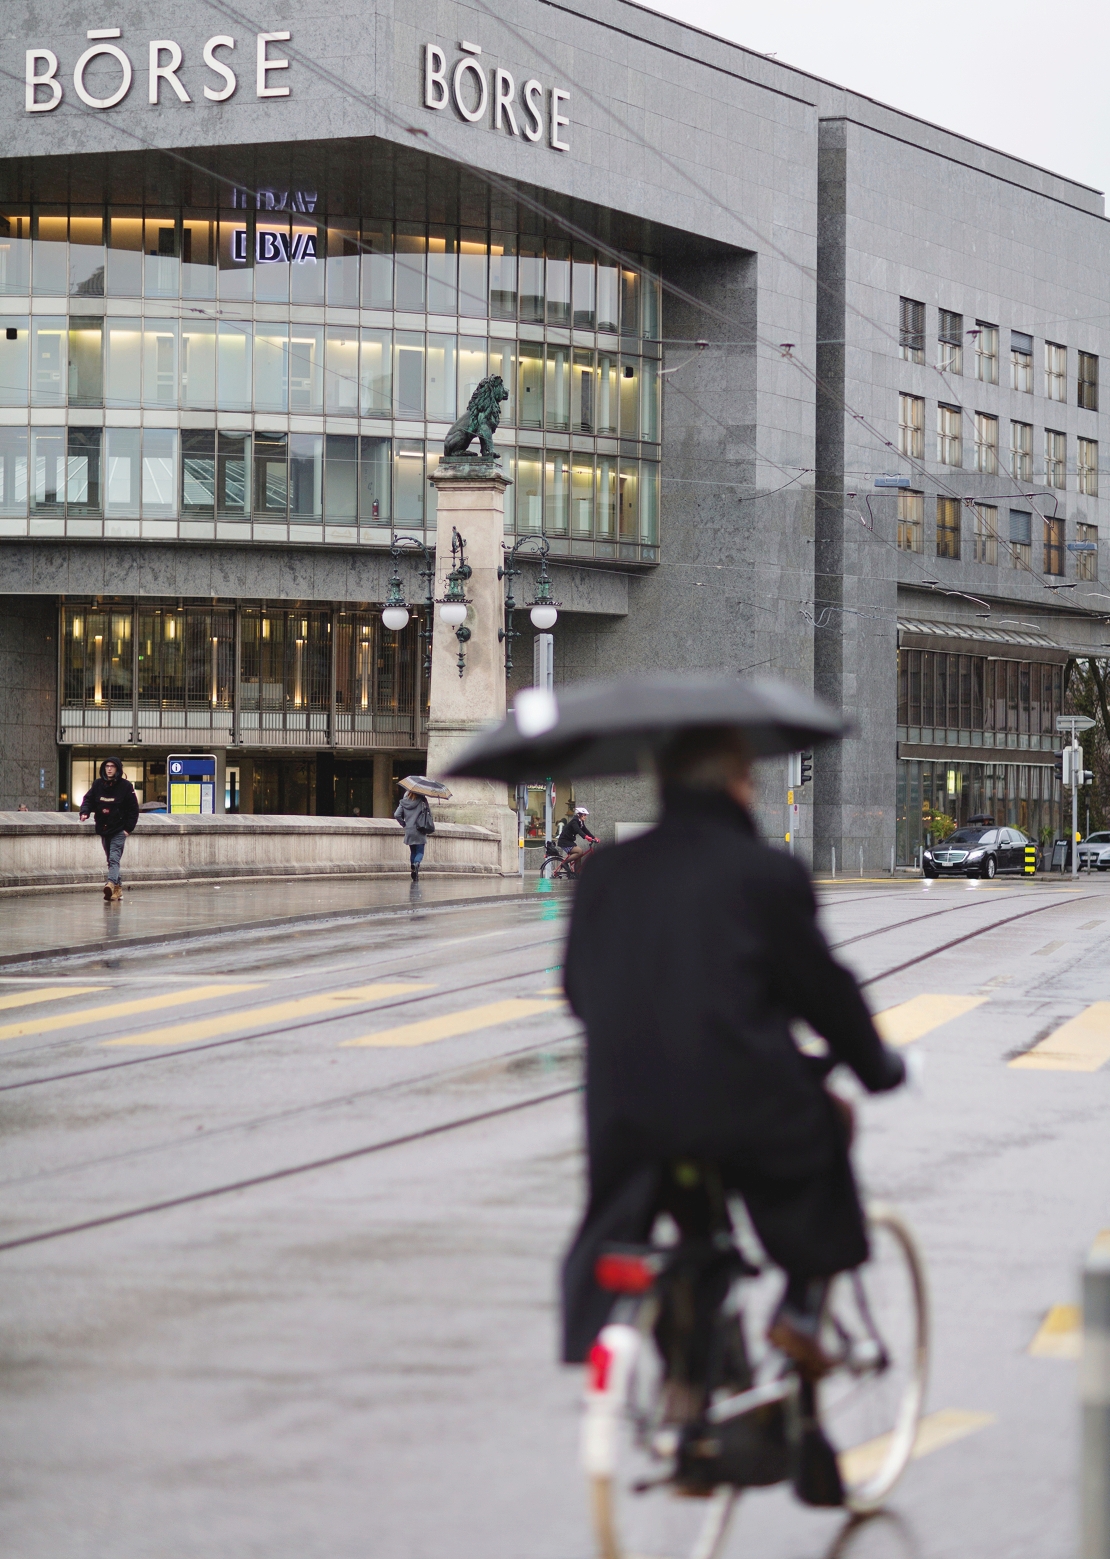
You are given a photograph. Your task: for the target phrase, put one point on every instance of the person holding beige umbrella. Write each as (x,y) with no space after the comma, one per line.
(415,815)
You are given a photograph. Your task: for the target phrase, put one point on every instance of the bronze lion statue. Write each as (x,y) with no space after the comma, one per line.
(480,420)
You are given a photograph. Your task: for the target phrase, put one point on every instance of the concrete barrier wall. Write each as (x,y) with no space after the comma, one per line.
(53,849)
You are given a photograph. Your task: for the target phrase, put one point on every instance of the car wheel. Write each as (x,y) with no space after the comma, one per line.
(989,867)
(930,871)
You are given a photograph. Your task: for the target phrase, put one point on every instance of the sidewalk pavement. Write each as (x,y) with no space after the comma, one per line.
(52,924)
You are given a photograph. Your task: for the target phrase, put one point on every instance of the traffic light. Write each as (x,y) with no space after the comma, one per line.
(1058,765)
(1087,777)
(1069,767)
(806,768)
(793,771)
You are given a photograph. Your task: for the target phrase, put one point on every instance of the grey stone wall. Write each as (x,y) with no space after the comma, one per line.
(28,703)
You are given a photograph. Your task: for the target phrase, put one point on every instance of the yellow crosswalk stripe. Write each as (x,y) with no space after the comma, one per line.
(1082,1044)
(452,1024)
(1060,1334)
(934,1432)
(911,1019)
(45,993)
(196,1029)
(118,1009)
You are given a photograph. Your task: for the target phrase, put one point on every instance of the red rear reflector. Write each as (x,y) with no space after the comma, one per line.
(624,1274)
(598,1365)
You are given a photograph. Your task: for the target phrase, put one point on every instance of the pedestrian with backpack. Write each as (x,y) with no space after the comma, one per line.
(112,803)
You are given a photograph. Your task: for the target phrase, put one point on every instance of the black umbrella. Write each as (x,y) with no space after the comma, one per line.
(618,727)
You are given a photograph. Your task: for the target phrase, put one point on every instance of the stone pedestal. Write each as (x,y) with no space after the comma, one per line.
(471,499)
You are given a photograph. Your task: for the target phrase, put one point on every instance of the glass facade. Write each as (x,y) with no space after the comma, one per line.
(1020,795)
(267,367)
(261,675)
(978,700)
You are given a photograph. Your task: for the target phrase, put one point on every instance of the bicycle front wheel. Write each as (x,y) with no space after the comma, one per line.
(870,1405)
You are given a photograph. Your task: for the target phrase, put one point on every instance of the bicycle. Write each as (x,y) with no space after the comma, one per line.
(665,1474)
(558,862)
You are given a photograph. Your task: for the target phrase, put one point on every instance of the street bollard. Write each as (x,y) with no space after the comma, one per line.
(1094,1385)
(834,860)
(892,860)
(861,860)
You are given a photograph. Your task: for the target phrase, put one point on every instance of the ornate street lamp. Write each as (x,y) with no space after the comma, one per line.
(395,612)
(452,606)
(544,612)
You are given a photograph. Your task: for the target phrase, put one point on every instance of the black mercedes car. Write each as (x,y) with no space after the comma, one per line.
(981,852)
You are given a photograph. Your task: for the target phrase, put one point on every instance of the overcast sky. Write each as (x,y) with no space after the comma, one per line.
(1027,78)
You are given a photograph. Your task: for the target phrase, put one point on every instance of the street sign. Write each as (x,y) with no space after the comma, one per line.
(191,784)
(1074,722)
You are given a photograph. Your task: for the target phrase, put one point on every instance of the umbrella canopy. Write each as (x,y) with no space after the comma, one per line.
(618,727)
(421,785)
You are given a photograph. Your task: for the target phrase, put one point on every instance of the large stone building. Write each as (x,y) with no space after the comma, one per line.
(249,278)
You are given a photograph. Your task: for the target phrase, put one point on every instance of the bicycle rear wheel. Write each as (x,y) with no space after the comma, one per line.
(870,1405)
(550,866)
(636,1510)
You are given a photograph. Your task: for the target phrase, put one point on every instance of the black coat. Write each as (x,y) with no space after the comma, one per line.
(692,949)
(112,804)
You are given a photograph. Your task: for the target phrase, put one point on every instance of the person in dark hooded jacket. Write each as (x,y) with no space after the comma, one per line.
(415,817)
(114,807)
(692,951)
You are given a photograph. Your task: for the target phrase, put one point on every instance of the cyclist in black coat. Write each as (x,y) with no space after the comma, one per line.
(692,950)
(114,806)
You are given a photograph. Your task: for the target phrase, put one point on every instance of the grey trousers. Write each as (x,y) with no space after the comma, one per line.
(113,849)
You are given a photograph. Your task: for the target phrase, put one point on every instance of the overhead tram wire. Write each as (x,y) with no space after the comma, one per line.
(441,1128)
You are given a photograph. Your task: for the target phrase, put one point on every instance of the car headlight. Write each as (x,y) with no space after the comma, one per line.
(928,854)
(976,855)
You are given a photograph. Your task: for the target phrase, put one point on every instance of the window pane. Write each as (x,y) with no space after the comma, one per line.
(306,368)
(160,362)
(583,376)
(649,400)
(584,288)
(198,362)
(83,471)
(582,496)
(341,377)
(233,453)
(198,473)
(13,471)
(15,253)
(630,397)
(377,267)
(342,264)
(628,501)
(473,274)
(408,483)
(161,264)
(630,303)
(443,272)
(15,343)
(558,282)
(557,493)
(273,246)
(441,378)
(408,374)
(409,245)
(649,503)
(530,392)
(557,394)
(606,518)
(608,296)
(306,476)
(502,364)
(531,280)
(125,256)
(608,390)
(122,472)
(234,343)
(48,361)
(160,452)
(306,263)
(341,476)
(502,276)
(49,266)
(529,491)
(235,257)
(472,370)
(271,476)
(375,374)
(86,255)
(271,367)
(198,257)
(374,482)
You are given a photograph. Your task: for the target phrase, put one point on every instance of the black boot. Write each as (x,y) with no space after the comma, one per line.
(414,873)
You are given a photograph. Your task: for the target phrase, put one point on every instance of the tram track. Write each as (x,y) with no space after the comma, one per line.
(439,1128)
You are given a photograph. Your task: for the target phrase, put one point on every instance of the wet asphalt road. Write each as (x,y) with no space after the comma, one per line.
(303,1190)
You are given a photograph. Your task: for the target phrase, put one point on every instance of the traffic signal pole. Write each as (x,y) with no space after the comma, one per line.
(1076,775)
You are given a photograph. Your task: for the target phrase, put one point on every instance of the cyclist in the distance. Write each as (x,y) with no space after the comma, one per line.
(574,836)
(692,950)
